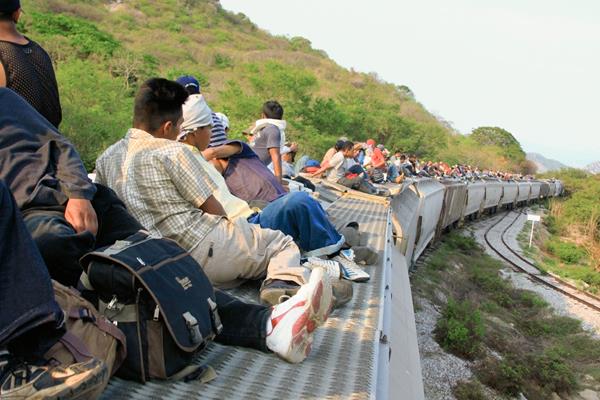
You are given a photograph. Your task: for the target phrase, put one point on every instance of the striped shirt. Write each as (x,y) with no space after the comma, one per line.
(163,185)
(218,135)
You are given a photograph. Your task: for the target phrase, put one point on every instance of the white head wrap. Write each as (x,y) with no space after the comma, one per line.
(196,114)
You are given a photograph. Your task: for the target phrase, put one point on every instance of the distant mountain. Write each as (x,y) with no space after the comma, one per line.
(593,168)
(545,164)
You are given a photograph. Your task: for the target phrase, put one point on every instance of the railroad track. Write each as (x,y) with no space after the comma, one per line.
(521,264)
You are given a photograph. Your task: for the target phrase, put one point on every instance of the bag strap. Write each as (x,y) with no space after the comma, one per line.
(76,347)
(105,326)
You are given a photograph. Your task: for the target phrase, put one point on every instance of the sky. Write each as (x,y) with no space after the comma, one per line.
(531,67)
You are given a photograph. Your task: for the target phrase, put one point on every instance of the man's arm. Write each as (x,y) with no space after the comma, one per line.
(224,151)
(212,206)
(275,153)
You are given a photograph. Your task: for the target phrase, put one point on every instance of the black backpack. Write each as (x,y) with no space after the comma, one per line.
(158,295)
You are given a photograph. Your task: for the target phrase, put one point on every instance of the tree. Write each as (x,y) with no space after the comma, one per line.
(494,136)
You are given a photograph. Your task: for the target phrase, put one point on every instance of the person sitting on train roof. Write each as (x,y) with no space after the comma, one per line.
(66,214)
(331,152)
(287,167)
(295,214)
(192,86)
(269,136)
(166,188)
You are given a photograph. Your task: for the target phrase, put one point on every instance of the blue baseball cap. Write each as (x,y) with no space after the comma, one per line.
(7,6)
(189,82)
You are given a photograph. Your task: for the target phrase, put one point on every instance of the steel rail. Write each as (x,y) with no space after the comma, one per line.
(526,261)
(534,276)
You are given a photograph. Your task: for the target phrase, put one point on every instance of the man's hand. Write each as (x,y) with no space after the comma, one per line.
(81,215)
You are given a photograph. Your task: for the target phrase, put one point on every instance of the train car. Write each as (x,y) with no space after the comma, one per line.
(536,187)
(493,194)
(559,188)
(544,189)
(431,195)
(552,190)
(509,194)
(524,192)
(455,198)
(475,198)
(405,216)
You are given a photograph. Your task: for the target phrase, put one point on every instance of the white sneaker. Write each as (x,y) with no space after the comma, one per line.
(333,268)
(292,323)
(350,269)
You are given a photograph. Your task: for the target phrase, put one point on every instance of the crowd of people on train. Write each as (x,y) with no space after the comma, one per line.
(176,175)
(243,210)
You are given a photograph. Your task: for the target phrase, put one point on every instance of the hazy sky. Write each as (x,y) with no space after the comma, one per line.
(531,67)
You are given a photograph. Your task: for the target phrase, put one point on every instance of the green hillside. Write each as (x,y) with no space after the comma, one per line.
(103,50)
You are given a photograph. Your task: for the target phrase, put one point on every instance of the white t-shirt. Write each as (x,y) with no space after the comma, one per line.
(338,166)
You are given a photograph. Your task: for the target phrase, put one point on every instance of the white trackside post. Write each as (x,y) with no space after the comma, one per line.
(533,218)
(531,236)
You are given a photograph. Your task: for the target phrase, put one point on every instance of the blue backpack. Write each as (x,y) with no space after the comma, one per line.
(159,296)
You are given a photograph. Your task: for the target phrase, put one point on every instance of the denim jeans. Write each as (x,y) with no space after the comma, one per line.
(30,320)
(392,173)
(62,247)
(302,217)
(244,324)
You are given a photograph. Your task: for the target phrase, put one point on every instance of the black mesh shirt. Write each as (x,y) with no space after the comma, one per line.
(29,72)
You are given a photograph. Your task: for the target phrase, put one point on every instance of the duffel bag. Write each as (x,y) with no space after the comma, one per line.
(159,296)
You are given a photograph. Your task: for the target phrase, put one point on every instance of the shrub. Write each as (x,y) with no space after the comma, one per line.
(568,252)
(460,329)
(552,373)
(223,61)
(466,244)
(84,36)
(506,376)
(469,390)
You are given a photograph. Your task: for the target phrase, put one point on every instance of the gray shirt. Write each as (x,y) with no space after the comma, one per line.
(265,139)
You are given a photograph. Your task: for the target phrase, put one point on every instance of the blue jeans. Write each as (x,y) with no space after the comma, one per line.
(302,217)
(30,319)
(392,173)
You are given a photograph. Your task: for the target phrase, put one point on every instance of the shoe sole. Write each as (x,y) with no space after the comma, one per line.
(89,386)
(320,303)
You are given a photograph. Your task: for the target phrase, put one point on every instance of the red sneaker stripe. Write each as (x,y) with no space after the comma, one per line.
(275,321)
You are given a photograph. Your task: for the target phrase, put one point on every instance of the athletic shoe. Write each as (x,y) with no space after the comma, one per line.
(351,270)
(365,254)
(276,291)
(333,268)
(20,380)
(342,289)
(292,323)
(342,292)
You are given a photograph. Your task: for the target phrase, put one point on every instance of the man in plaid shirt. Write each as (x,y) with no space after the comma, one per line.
(168,191)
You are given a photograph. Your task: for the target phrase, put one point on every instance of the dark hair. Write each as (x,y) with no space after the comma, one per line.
(272,109)
(347,146)
(338,145)
(7,15)
(158,100)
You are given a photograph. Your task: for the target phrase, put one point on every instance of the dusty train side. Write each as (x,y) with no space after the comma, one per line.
(428,207)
